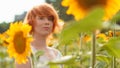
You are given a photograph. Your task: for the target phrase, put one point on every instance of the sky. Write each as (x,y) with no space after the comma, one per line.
(10,8)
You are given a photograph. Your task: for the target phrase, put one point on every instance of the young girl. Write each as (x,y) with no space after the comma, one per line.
(43,19)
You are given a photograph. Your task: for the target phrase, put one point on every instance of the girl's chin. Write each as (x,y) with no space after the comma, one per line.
(45,34)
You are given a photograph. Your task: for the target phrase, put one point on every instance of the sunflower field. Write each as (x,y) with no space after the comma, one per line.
(91,40)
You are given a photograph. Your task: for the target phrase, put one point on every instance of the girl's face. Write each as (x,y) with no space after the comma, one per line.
(43,25)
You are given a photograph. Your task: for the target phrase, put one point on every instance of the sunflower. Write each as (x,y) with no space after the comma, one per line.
(111,33)
(79,8)
(103,37)
(19,42)
(3,38)
(86,38)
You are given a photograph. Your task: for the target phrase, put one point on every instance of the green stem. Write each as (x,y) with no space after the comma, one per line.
(114,59)
(113,62)
(80,47)
(81,41)
(32,61)
(65,50)
(93,50)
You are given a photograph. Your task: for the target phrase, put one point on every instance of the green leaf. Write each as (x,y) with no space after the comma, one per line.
(113,47)
(101,65)
(103,58)
(38,54)
(3,52)
(90,23)
(115,27)
(35,57)
(54,66)
(116,17)
(1,41)
(63,60)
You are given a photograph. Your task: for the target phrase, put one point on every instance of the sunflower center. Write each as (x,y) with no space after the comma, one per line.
(19,42)
(88,4)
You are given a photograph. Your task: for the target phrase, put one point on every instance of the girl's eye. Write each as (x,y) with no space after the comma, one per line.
(41,18)
(50,18)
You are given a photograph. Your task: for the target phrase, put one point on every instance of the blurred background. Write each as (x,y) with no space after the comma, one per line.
(15,10)
(77,37)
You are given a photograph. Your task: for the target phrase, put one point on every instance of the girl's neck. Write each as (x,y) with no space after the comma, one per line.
(39,42)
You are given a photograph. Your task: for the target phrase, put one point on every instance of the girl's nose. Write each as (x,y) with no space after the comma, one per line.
(46,21)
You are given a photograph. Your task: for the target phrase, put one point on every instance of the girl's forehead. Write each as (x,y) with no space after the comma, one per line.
(45,16)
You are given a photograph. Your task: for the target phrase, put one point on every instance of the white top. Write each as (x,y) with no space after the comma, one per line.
(44,59)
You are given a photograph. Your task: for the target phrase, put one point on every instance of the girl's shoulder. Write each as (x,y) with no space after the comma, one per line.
(56,51)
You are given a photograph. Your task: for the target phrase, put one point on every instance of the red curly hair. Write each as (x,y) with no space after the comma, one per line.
(41,10)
